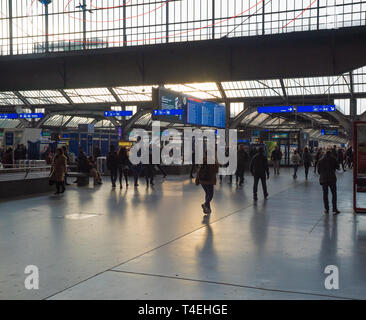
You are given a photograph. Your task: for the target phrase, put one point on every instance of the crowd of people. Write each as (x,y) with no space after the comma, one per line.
(9,155)
(325,162)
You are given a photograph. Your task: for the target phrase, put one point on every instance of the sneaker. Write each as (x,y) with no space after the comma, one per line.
(336,211)
(204,208)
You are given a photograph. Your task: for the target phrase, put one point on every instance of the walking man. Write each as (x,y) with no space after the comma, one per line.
(327,170)
(276,157)
(259,169)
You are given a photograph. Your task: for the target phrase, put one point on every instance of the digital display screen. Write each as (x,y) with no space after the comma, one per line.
(178,107)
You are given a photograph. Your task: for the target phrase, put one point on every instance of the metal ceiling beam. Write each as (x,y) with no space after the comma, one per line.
(283,88)
(288,55)
(66,96)
(238,119)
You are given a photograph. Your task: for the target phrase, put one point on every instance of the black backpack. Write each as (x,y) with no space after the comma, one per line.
(204,173)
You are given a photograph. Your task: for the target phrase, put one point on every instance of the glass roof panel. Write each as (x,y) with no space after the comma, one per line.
(257,121)
(249,117)
(267,88)
(207,90)
(139,93)
(9,98)
(359,80)
(57,121)
(94,95)
(75,121)
(44,97)
(6,123)
(104,124)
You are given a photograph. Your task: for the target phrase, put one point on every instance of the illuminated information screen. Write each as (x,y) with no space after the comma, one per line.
(187,110)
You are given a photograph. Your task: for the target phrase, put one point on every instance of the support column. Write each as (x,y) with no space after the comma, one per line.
(167,22)
(213,19)
(84,24)
(353,109)
(124,24)
(11,27)
(46,27)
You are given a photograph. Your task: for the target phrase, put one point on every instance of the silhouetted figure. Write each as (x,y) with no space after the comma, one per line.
(307,159)
(112,164)
(58,170)
(206,177)
(327,170)
(123,165)
(259,169)
(242,160)
(276,157)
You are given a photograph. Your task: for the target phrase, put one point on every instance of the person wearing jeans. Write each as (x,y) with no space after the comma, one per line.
(206,177)
(296,161)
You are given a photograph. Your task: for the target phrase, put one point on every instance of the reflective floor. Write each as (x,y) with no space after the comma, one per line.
(155,243)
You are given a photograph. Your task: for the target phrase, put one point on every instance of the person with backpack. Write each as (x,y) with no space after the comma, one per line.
(259,169)
(276,157)
(307,159)
(327,168)
(112,164)
(295,159)
(206,177)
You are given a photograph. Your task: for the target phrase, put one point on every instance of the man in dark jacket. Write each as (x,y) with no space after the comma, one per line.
(96,152)
(327,168)
(241,163)
(112,164)
(259,169)
(276,157)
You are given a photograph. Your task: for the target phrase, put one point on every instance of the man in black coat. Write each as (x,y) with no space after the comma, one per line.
(259,169)
(241,163)
(327,170)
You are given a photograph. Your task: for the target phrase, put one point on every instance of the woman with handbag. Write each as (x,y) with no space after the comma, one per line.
(58,171)
(206,177)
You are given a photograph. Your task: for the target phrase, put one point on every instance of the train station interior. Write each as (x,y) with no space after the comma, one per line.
(81,80)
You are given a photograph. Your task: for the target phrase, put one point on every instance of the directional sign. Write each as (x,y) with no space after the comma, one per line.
(329,132)
(168,112)
(276,109)
(317,108)
(31,115)
(8,116)
(117,113)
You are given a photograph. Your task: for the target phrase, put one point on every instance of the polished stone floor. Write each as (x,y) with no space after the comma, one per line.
(155,243)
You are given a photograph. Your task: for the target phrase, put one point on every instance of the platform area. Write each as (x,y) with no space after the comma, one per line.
(155,243)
